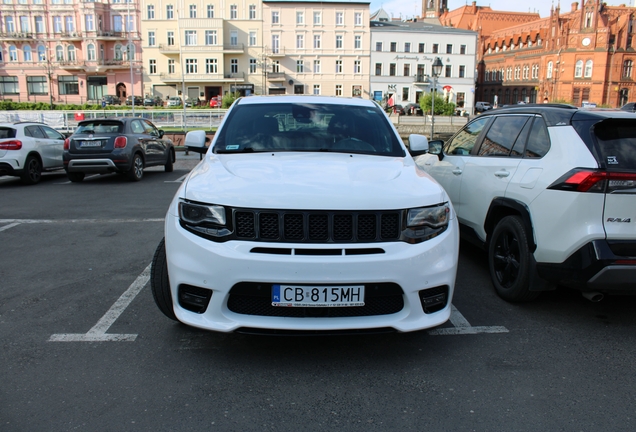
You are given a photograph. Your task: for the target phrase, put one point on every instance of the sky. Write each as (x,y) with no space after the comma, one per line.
(410,8)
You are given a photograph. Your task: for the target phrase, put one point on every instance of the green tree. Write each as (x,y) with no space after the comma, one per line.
(442,107)
(229,98)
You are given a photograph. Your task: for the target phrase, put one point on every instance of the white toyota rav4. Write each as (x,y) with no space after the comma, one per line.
(307,214)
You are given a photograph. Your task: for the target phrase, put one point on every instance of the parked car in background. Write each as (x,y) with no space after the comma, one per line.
(139,100)
(630,107)
(397,109)
(174,101)
(319,184)
(153,101)
(111,100)
(28,148)
(215,103)
(413,109)
(122,145)
(482,106)
(548,191)
(191,102)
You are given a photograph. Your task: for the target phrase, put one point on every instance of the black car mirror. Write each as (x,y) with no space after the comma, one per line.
(161,133)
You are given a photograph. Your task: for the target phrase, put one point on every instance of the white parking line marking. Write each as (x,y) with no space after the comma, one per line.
(98,332)
(462,326)
(11,225)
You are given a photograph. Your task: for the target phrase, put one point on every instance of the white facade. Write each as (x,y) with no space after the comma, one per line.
(401,58)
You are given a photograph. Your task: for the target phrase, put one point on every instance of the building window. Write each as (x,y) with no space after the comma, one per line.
(151,38)
(26,52)
(151,12)
(276,66)
(317,66)
(275,17)
(169,12)
(316,41)
(448,71)
(357,67)
(39,24)
(548,73)
(9,85)
(462,49)
(193,11)
(588,69)
(338,89)
(627,68)
(392,68)
(578,69)
(70,52)
(356,91)
(170,66)
(68,85)
(378,69)
(462,71)
(252,65)
(210,37)
(36,85)
(90,51)
(449,48)
(317,18)
(338,66)
(338,41)
(211,66)
(300,41)
(170,38)
(378,46)
(339,18)
(68,19)
(252,38)
(407,70)
(234,66)
(300,18)
(152,66)
(393,46)
(234,38)
(357,44)
(435,48)
(420,47)
(299,89)
(275,44)
(316,89)
(358,18)
(407,47)
(191,66)
(405,93)
(210,11)
(190,37)
(588,19)
(300,66)
(233,12)
(252,12)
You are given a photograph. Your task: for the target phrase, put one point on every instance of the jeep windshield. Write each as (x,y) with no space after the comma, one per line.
(304,127)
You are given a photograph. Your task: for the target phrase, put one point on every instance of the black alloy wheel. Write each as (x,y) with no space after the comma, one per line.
(32,170)
(509,260)
(136,171)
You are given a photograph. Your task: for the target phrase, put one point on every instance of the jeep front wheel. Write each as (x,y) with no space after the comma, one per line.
(509,260)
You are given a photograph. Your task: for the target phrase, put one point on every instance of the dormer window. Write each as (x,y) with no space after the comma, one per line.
(588,19)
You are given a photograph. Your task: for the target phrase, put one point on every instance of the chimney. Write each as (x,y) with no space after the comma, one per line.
(575,6)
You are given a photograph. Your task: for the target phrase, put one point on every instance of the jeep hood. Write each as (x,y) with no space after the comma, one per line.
(311,181)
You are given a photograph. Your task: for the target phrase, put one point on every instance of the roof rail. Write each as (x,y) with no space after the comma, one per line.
(542,105)
(28,121)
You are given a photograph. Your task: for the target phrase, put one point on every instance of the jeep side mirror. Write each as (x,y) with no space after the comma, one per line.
(195,141)
(418,144)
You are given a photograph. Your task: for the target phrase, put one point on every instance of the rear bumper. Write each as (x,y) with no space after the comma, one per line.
(97,165)
(597,266)
(10,168)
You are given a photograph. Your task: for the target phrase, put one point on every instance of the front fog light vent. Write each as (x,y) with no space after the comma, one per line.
(193,298)
(434,299)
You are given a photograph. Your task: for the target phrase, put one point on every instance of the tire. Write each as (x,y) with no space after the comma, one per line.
(509,260)
(159,282)
(75,177)
(136,171)
(32,170)
(169,166)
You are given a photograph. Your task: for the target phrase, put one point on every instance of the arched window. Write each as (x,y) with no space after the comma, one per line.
(588,69)
(59,53)
(130,52)
(71,52)
(41,53)
(548,74)
(578,69)
(118,54)
(627,68)
(90,52)
(26,52)
(13,53)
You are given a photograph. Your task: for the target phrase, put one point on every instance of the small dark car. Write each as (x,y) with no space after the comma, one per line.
(413,109)
(629,107)
(111,100)
(153,101)
(139,100)
(122,145)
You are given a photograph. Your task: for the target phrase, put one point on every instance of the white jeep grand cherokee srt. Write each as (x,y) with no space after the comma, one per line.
(307,214)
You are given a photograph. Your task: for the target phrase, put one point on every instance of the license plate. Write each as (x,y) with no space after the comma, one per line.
(317,296)
(90,143)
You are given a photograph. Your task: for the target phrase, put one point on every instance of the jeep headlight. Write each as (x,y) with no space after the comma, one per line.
(207,219)
(424,223)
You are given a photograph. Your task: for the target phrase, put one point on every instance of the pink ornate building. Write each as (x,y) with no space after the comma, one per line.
(69,51)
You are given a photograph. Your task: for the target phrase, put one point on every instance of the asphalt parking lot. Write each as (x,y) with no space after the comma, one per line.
(83,346)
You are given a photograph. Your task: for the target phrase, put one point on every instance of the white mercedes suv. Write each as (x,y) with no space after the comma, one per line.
(550,192)
(307,214)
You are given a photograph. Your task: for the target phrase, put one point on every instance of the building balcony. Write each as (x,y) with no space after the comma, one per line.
(19,36)
(274,52)
(191,78)
(69,36)
(235,76)
(168,49)
(234,49)
(275,76)
(421,79)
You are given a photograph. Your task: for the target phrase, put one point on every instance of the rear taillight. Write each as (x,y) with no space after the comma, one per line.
(67,144)
(11,145)
(120,142)
(586,180)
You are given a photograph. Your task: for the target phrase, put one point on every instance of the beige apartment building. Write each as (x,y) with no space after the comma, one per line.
(317,47)
(206,48)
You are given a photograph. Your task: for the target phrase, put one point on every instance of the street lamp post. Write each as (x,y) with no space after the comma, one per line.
(435,71)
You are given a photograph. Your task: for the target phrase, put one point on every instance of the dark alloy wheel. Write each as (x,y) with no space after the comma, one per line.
(75,177)
(159,283)
(509,260)
(136,171)
(169,166)
(32,171)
